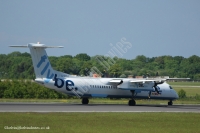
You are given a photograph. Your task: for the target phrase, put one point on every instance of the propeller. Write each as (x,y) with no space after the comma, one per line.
(155,86)
(120,82)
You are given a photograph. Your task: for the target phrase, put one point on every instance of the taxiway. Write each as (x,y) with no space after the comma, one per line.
(63,107)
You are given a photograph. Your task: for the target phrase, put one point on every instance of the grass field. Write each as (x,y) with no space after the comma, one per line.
(190,91)
(191,88)
(102,122)
(185,83)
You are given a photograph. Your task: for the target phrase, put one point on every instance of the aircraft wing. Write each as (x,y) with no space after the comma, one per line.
(115,81)
(147,80)
(178,78)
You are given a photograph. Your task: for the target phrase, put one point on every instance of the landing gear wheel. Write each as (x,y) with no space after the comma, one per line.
(85,101)
(170,103)
(131,103)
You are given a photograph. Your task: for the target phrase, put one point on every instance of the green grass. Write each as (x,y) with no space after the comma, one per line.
(185,83)
(103,122)
(189,90)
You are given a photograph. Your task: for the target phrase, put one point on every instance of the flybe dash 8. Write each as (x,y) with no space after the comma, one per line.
(88,87)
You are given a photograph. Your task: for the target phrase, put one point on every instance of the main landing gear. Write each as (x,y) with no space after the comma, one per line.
(132,101)
(170,102)
(85,101)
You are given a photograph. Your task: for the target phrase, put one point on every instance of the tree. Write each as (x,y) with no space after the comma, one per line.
(160,62)
(83,57)
(19,65)
(141,58)
(85,69)
(123,76)
(115,70)
(182,94)
(64,65)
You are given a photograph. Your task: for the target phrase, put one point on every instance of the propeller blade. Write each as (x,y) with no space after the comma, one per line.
(149,94)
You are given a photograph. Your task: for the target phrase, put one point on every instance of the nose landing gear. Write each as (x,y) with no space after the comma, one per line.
(170,102)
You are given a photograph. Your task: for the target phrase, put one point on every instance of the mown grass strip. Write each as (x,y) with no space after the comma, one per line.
(185,83)
(102,122)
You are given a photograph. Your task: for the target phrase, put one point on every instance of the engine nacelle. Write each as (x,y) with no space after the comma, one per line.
(140,86)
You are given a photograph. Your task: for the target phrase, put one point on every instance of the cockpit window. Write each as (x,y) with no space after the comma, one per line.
(170,87)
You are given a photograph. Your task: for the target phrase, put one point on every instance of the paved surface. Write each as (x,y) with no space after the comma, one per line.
(62,107)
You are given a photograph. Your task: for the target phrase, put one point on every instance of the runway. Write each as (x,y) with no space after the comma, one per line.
(63,107)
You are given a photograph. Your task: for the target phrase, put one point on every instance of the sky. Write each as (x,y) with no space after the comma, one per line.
(127,28)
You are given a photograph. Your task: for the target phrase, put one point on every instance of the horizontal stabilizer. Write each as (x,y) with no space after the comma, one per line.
(36,45)
(21,46)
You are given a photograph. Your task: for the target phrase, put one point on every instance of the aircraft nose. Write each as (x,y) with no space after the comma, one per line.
(176,95)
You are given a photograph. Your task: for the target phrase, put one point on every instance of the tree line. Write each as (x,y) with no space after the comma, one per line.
(18,65)
(26,89)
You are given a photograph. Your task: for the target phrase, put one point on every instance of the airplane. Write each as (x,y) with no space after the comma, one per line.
(88,87)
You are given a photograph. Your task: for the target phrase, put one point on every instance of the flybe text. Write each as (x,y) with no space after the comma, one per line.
(70,86)
(59,83)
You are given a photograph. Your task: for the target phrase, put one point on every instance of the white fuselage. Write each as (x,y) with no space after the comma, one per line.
(101,87)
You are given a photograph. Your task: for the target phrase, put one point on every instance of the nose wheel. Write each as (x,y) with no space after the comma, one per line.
(170,102)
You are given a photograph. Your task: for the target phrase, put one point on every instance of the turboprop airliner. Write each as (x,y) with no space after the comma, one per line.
(88,87)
